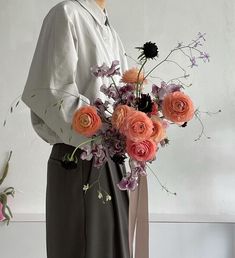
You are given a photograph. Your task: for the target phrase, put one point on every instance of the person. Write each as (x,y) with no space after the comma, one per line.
(76,35)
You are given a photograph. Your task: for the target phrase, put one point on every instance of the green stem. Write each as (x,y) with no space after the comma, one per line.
(90,140)
(115,85)
(173,50)
(137,85)
(163,187)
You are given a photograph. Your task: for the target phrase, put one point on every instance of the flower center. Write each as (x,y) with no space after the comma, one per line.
(85,120)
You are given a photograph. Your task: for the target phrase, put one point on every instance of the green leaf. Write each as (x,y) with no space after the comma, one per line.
(9,210)
(4,203)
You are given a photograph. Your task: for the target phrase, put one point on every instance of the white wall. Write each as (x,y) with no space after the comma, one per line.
(167,240)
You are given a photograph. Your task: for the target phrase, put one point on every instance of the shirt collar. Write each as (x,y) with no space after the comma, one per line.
(96,11)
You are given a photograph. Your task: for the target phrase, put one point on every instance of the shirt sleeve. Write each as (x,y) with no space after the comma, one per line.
(51,91)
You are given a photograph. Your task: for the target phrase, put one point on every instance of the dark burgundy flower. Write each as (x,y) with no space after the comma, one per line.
(69,163)
(149,50)
(145,103)
(119,158)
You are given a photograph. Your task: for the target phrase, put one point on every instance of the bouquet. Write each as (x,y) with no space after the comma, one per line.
(131,124)
(136,127)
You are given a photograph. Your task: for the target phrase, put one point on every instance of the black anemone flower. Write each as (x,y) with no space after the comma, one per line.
(145,103)
(119,158)
(149,50)
(69,163)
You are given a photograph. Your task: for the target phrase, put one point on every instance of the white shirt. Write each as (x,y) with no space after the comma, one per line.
(73,38)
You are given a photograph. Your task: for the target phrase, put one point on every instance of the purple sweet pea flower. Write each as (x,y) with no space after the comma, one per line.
(87,153)
(112,92)
(127,88)
(128,183)
(114,141)
(104,70)
(173,87)
(155,90)
(99,154)
(116,147)
(100,105)
(137,167)
(165,89)
(99,71)
(130,98)
(103,89)
(113,70)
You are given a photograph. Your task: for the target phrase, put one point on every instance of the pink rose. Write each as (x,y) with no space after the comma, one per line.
(177,107)
(141,151)
(137,126)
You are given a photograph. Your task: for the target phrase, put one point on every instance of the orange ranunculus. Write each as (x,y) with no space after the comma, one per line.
(159,132)
(86,121)
(141,151)
(177,107)
(131,76)
(137,126)
(119,115)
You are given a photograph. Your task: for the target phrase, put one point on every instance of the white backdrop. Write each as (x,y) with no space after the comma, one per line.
(202,173)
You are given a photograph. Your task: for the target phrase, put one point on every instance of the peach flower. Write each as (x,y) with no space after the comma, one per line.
(131,76)
(141,151)
(177,107)
(119,115)
(159,132)
(86,121)
(137,126)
